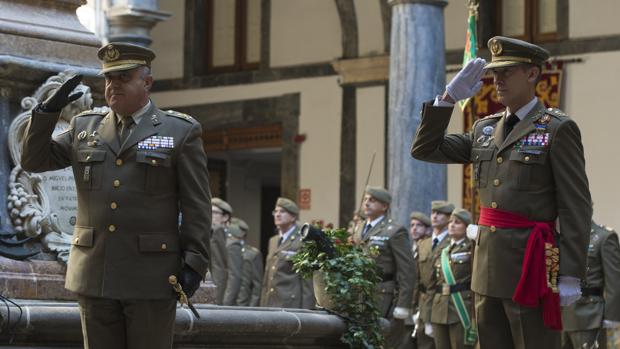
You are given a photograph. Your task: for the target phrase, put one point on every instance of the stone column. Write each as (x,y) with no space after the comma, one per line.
(5,158)
(132,20)
(417,74)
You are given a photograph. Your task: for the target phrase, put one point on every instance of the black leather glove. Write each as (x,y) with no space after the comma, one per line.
(62,97)
(189,280)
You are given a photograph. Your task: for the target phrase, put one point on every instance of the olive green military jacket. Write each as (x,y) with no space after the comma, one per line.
(427,259)
(234,256)
(251,277)
(415,298)
(538,172)
(127,240)
(219,262)
(444,311)
(395,264)
(282,286)
(603,273)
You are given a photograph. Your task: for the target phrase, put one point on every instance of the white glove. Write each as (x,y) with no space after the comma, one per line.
(467,82)
(415,317)
(400,313)
(611,324)
(428,330)
(570,290)
(472,231)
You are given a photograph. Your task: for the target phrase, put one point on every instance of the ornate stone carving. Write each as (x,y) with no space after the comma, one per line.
(35,200)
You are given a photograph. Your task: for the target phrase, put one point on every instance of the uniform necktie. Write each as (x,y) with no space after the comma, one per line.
(435,242)
(366,229)
(126,123)
(510,124)
(280,240)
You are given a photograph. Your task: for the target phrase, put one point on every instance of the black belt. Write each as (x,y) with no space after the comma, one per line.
(591,291)
(422,288)
(387,277)
(447,290)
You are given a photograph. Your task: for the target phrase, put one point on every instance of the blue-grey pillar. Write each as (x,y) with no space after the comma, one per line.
(417,74)
(132,20)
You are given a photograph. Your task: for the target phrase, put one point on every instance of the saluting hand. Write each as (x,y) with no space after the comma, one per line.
(467,82)
(189,280)
(61,97)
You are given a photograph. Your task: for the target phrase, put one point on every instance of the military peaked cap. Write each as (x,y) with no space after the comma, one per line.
(506,52)
(118,56)
(379,193)
(288,205)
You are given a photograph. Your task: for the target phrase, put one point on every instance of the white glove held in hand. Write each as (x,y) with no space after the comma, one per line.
(467,82)
(400,313)
(570,290)
(428,330)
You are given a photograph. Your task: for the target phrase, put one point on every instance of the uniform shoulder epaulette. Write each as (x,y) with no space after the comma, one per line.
(92,112)
(180,115)
(556,112)
(493,116)
(610,229)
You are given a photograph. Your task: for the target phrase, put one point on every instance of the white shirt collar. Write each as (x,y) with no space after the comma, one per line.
(137,116)
(441,235)
(375,222)
(288,233)
(524,110)
(458,242)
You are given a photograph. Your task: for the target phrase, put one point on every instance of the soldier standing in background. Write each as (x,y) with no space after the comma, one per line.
(221,212)
(394,262)
(428,253)
(586,321)
(529,166)
(419,230)
(282,286)
(234,263)
(452,311)
(136,169)
(251,272)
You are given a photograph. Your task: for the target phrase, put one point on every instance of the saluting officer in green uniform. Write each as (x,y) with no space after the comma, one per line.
(282,286)
(452,311)
(419,230)
(251,271)
(529,167)
(429,251)
(222,213)
(394,262)
(136,168)
(585,322)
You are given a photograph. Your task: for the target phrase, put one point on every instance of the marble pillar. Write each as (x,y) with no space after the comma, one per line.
(417,74)
(132,20)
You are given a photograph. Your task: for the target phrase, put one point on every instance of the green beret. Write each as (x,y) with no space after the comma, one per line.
(235,231)
(379,193)
(119,56)
(442,206)
(288,205)
(463,215)
(222,205)
(506,52)
(241,223)
(421,217)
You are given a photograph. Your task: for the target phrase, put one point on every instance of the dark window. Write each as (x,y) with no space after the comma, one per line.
(233,35)
(529,20)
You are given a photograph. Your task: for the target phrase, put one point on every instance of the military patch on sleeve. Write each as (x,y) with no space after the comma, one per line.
(180,115)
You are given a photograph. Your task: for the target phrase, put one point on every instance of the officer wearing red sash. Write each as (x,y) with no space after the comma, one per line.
(529,167)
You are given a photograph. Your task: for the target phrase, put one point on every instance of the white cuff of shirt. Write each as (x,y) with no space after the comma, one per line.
(570,290)
(441,103)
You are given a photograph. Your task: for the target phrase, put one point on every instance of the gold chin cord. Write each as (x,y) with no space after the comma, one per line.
(182,296)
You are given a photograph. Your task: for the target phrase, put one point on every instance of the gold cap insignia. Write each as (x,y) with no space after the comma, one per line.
(496,47)
(111,53)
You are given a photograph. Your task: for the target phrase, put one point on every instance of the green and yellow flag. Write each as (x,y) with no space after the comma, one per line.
(471,43)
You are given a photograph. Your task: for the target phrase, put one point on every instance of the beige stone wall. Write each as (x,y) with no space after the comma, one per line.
(455,24)
(320,116)
(304,32)
(369,27)
(168,40)
(593,18)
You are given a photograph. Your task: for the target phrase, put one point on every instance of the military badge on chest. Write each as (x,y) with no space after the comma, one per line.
(535,142)
(157,142)
(487,136)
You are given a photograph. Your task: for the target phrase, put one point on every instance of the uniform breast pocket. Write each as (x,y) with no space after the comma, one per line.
(90,168)
(529,170)
(158,168)
(481,159)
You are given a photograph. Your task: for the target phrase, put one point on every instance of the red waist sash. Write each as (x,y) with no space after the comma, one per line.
(538,282)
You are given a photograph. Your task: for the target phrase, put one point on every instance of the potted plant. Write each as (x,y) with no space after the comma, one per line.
(345,278)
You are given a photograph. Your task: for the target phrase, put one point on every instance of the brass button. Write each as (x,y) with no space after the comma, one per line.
(164,246)
(154,162)
(273,268)
(493,229)
(494,204)
(76,240)
(116,183)
(527,158)
(112,228)
(113,205)
(496,182)
(119,162)
(271,289)
(500,160)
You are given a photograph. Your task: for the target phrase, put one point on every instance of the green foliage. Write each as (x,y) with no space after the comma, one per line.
(350,280)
